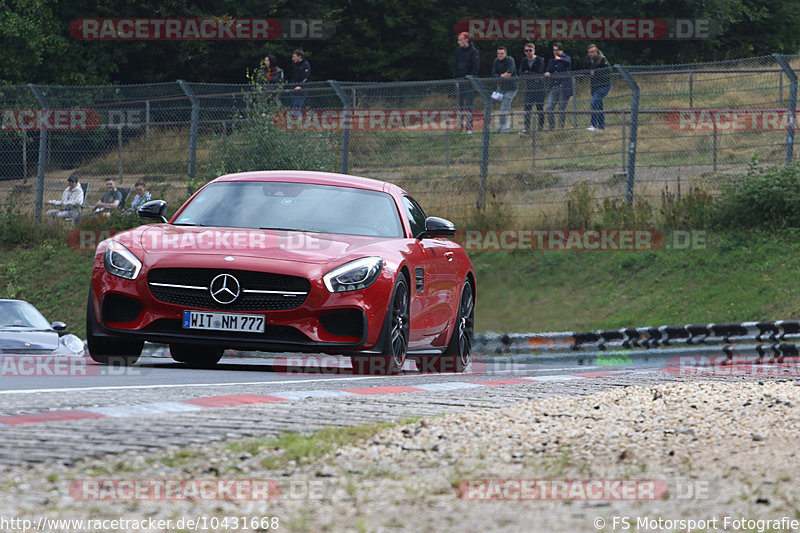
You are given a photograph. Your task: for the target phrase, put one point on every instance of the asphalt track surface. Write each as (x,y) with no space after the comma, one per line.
(68,409)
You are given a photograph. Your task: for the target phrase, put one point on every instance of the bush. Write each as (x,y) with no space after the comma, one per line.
(619,214)
(18,228)
(690,211)
(762,198)
(258,143)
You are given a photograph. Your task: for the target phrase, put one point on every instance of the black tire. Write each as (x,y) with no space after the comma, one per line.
(196,355)
(109,350)
(394,339)
(458,354)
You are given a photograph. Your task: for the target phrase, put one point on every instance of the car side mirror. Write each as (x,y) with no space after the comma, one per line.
(437,227)
(60,327)
(153,210)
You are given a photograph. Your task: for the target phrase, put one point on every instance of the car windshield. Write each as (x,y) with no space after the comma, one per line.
(294,207)
(21,315)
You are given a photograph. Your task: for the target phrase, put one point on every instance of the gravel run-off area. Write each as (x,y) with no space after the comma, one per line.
(711,449)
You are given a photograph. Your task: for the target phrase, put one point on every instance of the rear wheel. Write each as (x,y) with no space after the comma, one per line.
(196,355)
(458,354)
(113,351)
(394,339)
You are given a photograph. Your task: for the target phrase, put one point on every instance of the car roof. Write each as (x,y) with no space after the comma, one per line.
(316,178)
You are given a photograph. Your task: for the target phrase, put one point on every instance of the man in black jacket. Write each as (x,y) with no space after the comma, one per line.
(532,67)
(505,68)
(300,75)
(560,86)
(466,64)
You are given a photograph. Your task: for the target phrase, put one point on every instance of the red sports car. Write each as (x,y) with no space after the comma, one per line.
(287,261)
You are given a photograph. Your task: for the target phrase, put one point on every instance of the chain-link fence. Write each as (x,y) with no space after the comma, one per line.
(662,130)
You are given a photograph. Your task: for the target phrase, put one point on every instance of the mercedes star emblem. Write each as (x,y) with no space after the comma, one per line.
(224,289)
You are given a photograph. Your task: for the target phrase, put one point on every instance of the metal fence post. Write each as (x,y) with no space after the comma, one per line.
(24,157)
(147,119)
(791,107)
(42,153)
(485,140)
(345,123)
(192,133)
(631,170)
(119,151)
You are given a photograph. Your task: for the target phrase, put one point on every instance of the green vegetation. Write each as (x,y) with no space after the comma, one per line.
(740,276)
(730,259)
(764,198)
(258,143)
(386,42)
(302,448)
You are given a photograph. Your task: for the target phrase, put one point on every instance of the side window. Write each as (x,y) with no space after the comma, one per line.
(416,216)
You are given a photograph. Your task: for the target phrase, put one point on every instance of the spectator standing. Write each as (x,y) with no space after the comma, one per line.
(505,68)
(300,75)
(560,86)
(71,199)
(600,84)
(466,64)
(532,67)
(273,74)
(142,196)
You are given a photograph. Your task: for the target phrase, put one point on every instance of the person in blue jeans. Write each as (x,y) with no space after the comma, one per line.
(505,68)
(300,76)
(560,90)
(600,84)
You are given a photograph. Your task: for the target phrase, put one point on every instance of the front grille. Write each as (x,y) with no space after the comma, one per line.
(248,280)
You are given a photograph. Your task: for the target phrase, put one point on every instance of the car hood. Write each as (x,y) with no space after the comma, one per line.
(26,341)
(297,246)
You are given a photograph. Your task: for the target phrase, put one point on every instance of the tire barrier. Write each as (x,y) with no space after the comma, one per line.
(774,339)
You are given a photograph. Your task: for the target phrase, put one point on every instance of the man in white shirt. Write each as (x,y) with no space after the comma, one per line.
(71,200)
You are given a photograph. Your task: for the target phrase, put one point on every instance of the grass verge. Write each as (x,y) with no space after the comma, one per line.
(735,277)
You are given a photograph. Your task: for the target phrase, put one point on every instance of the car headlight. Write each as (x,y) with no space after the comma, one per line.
(354,275)
(72,343)
(121,262)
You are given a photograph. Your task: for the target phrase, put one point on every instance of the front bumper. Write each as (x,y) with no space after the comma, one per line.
(325,322)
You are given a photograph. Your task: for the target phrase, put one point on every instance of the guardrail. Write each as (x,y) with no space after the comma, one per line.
(777,337)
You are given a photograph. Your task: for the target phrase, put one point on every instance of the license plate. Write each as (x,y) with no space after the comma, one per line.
(223,321)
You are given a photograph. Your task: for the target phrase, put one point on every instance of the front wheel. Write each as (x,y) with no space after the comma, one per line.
(394,340)
(196,355)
